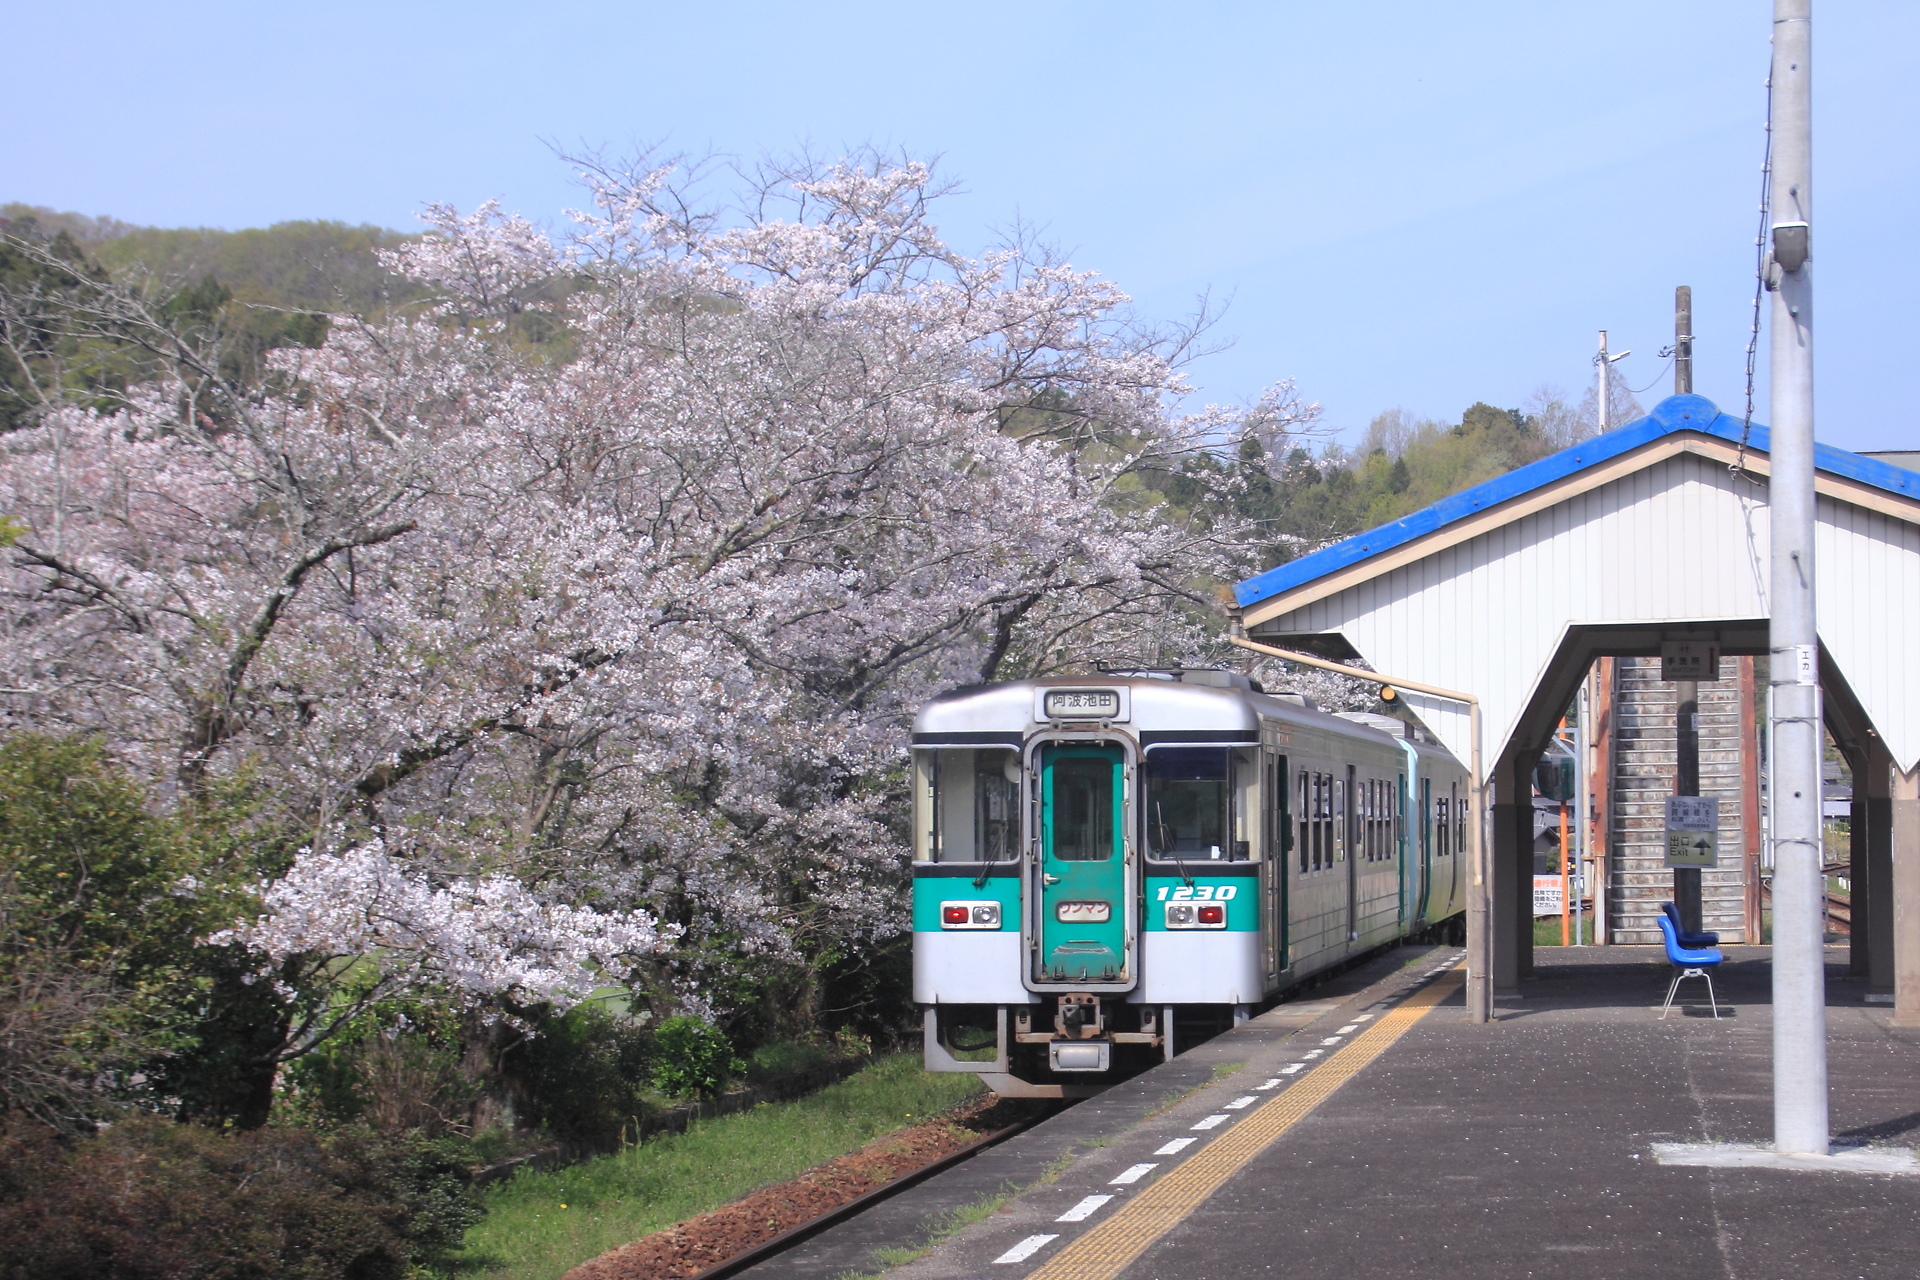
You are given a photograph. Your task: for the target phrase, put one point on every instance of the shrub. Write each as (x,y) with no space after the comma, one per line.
(579,1076)
(157,1198)
(692,1056)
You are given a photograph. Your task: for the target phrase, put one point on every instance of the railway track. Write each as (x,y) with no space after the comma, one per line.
(777,1245)
(1839,907)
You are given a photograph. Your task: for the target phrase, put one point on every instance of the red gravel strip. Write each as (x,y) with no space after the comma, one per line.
(688,1248)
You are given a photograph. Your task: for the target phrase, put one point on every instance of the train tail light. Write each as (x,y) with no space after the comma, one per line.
(970,915)
(1212,913)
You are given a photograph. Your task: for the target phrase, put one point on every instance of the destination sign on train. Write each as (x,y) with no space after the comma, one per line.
(1082,704)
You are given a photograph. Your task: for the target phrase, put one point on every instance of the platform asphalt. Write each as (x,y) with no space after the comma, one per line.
(1417,1143)
(1075,1139)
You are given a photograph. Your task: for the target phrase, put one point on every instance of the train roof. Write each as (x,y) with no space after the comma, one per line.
(1186,703)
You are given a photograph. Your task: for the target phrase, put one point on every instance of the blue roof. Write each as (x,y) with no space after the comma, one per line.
(1671,416)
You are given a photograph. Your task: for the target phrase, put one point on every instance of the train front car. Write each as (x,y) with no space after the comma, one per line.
(1087,854)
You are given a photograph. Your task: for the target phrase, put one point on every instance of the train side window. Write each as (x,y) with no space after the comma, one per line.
(1303,815)
(1326,820)
(1442,847)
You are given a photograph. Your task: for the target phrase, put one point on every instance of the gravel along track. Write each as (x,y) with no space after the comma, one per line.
(688,1249)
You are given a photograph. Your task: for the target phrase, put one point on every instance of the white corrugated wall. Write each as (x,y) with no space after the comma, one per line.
(1682,540)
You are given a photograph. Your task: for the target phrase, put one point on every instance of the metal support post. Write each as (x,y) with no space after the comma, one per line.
(1686,782)
(1800,1098)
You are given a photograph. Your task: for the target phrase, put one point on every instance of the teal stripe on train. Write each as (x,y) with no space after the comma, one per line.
(1241,894)
(930,892)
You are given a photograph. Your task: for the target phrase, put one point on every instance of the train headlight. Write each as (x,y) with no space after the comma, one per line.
(970,915)
(1179,915)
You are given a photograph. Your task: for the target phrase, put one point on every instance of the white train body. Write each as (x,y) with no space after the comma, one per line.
(1098,862)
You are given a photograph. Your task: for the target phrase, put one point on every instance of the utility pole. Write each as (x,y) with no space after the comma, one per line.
(1603,385)
(1683,340)
(1800,1116)
(1686,880)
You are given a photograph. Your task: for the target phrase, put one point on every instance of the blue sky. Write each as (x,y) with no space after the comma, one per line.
(1409,205)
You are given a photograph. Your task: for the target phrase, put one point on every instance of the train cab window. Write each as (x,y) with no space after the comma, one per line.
(966,805)
(1200,803)
(1082,809)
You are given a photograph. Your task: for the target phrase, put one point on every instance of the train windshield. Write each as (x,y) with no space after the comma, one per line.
(1199,803)
(966,805)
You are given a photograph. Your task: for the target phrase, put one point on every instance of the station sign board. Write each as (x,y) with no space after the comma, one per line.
(1689,659)
(1548,899)
(1693,831)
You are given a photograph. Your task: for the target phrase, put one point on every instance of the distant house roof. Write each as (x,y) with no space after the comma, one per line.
(1673,416)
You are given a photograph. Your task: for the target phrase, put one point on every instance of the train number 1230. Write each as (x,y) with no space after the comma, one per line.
(1200,892)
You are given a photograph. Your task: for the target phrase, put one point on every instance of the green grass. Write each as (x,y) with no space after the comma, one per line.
(540,1225)
(1546,931)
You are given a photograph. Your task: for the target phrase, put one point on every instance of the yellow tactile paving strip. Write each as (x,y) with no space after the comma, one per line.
(1105,1251)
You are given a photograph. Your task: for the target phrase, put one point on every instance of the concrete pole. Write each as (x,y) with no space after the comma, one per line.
(1683,340)
(1903,821)
(1603,373)
(1800,1116)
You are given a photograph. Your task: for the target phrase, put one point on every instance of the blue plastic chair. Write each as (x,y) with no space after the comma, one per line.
(1686,936)
(1690,963)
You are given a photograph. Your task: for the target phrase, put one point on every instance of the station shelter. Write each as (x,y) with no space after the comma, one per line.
(1514,589)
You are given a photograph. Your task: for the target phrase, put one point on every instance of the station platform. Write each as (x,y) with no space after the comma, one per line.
(1370,1130)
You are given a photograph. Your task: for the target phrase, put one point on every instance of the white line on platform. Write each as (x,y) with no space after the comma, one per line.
(1270,1084)
(1084,1210)
(1026,1248)
(1331,1040)
(1212,1121)
(1729,1155)
(1175,1147)
(1134,1174)
(1363,1017)
(1313,1053)
(1240,1104)
(1349,1029)
(1292,1067)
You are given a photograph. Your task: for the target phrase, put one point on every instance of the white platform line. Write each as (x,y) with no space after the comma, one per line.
(1175,1147)
(1292,1067)
(1349,1029)
(1134,1174)
(1269,1084)
(1331,1040)
(1241,1104)
(1084,1210)
(1027,1248)
(1212,1121)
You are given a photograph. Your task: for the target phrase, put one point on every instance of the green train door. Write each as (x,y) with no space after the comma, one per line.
(1083,871)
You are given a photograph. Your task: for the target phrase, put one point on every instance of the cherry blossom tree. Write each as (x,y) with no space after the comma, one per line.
(575,617)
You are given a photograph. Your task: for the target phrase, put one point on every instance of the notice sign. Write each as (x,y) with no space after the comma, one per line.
(1689,659)
(1693,831)
(1547,899)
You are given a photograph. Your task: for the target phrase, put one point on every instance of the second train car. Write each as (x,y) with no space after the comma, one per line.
(1099,861)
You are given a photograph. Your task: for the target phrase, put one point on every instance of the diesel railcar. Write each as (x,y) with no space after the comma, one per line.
(1098,861)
